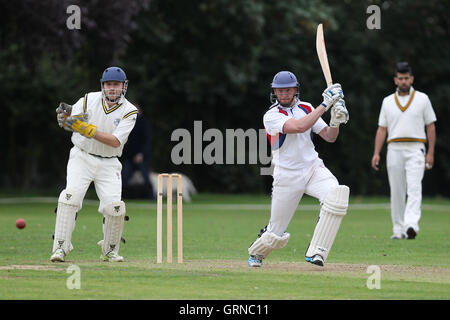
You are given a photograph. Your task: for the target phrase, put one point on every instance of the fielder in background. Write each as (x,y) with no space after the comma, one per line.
(289,124)
(136,157)
(404,116)
(100,122)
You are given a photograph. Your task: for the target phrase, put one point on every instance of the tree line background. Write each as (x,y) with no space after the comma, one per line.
(214,60)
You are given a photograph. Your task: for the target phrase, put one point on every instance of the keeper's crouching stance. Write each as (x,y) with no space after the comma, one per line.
(298,169)
(101,123)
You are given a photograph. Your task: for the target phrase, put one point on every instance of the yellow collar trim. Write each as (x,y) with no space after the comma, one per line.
(85,103)
(112,108)
(409,102)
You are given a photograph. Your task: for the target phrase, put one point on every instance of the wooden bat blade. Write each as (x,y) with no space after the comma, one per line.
(322,54)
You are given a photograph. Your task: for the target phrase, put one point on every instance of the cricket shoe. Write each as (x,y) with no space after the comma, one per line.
(316,259)
(112,256)
(398,236)
(411,233)
(58,256)
(254,261)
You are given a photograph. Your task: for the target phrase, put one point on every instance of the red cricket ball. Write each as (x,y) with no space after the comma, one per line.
(20,223)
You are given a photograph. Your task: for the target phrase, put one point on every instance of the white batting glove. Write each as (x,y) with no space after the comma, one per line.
(331,95)
(339,114)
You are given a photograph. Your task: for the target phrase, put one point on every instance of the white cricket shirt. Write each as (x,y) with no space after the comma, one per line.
(405,117)
(118,120)
(292,150)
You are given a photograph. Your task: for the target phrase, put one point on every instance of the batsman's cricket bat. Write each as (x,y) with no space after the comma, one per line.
(322,54)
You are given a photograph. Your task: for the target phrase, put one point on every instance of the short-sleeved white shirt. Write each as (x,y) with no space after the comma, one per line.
(405,117)
(118,120)
(292,150)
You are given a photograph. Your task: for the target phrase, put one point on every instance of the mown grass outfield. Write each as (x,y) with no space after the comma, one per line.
(217,232)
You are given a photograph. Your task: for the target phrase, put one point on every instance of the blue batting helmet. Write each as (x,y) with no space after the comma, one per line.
(283,79)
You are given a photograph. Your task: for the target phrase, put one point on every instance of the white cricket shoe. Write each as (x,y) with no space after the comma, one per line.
(58,256)
(112,256)
(316,259)
(254,261)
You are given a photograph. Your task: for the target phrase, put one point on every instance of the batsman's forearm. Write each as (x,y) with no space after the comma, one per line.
(107,139)
(332,133)
(431,137)
(303,124)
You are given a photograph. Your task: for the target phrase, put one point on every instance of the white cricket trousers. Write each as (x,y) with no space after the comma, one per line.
(83,168)
(405,166)
(288,188)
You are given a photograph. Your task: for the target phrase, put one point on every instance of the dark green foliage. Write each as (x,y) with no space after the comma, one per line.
(214,61)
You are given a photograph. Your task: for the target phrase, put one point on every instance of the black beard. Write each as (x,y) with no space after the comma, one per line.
(404,90)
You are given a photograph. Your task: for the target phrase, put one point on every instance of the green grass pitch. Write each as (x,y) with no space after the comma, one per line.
(217,232)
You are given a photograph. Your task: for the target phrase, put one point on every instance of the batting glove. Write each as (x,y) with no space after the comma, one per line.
(331,95)
(339,114)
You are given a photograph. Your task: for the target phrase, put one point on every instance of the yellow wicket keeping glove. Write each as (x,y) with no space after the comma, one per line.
(76,123)
(62,112)
(84,128)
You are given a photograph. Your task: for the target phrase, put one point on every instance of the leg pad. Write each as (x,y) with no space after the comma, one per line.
(332,212)
(266,243)
(68,206)
(114,214)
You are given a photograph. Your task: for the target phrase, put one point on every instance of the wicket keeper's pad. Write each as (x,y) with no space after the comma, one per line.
(333,210)
(68,205)
(268,242)
(112,230)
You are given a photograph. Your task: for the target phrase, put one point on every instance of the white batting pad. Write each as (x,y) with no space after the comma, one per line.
(333,210)
(268,242)
(112,229)
(68,205)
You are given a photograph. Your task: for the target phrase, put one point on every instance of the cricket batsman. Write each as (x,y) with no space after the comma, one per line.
(289,124)
(100,122)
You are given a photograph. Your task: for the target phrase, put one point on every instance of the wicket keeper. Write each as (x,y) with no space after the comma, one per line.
(100,122)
